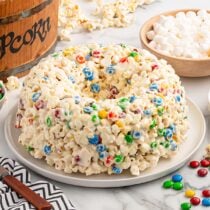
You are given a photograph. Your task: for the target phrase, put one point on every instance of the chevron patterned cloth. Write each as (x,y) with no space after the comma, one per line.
(10,200)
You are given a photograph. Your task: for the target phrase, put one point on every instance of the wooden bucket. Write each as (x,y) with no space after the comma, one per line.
(28,32)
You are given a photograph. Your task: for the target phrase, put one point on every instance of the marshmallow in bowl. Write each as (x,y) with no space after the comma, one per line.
(183,35)
(102,109)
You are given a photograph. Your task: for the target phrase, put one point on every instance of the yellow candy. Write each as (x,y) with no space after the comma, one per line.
(119,123)
(137,58)
(189,193)
(160,95)
(164,86)
(102,114)
(68,51)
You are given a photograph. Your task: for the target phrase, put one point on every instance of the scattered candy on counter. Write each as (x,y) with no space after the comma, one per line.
(189,193)
(206,202)
(206,193)
(195,201)
(202,172)
(186,206)
(194,164)
(175,182)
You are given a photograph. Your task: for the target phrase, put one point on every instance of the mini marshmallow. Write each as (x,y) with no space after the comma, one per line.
(185,35)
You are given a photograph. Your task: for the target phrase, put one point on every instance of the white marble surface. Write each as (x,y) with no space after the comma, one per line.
(144,196)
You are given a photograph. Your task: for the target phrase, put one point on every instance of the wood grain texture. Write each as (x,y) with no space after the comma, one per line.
(27,34)
(185,67)
(13,7)
(33,198)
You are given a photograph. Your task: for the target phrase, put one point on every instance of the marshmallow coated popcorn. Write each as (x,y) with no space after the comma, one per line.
(102,109)
(183,35)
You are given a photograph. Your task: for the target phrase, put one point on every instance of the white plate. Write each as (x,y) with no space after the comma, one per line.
(187,149)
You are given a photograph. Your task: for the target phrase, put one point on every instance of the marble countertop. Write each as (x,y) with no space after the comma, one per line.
(144,196)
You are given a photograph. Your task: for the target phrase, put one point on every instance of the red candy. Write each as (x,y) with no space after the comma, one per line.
(195,201)
(112,115)
(206,193)
(96,54)
(205,163)
(123,60)
(202,172)
(155,66)
(194,164)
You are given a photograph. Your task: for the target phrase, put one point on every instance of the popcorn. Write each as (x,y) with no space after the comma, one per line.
(12,83)
(82,117)
(113,14)
(183,35)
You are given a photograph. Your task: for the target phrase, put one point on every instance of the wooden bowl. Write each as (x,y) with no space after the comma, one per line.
(187,67)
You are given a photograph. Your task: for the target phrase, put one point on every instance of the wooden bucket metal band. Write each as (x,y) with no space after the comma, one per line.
(23,70)
(25,13)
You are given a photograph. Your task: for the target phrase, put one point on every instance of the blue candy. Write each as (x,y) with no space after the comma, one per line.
(87,57)
(45,78)
(116,170)
(89,75)
(172,127)
(95,88)
(110,69)
(173,146)
(100,148)
(47,149)
(77,99)
(176,178)
(153,87)
(168,133)
(88,109)
(35,96)
(102,155)
(71,79)
(158,101)
(178,98)
(147,112)
(94,140)
(86,69)
(206,202)
(132,99)
(136,134)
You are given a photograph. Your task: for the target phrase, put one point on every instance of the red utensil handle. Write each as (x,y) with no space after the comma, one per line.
(33,198)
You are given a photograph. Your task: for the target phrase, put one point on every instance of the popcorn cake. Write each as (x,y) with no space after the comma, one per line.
(102,109)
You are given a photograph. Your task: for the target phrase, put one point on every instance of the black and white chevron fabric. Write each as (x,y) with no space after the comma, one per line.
(10,200)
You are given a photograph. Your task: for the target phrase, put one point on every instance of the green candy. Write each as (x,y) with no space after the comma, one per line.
(1,85)
(95,119)
(133,54)
(30,149)
(161,132)
(95,107)
(129,138)
(168,184)
(160,111)
(68,124)
(166,144)
(153,124)
(186,206)
(153,144)
(119,158)
(55,55)
(49,122)
(1,95)
(178,186)
(122,103)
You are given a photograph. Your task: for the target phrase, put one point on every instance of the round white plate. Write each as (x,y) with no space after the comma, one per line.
(187,149)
